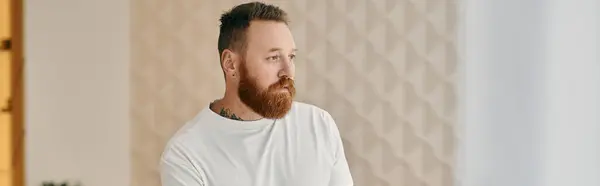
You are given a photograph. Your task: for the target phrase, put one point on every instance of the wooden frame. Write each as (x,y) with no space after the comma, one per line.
(18,101)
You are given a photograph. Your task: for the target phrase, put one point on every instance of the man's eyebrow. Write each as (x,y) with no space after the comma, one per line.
(279,49)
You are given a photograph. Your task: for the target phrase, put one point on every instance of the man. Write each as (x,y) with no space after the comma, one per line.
(256,135)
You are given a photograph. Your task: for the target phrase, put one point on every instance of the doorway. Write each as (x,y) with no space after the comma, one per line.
(11,94)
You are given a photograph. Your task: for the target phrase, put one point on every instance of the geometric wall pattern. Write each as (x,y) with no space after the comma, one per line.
(384,69)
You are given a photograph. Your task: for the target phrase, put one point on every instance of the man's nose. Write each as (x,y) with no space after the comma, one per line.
(286,70)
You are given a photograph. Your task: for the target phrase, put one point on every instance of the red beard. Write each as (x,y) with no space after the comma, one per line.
(271,103)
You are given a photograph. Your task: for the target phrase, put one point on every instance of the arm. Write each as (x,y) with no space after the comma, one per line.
(340,175)
(177,170)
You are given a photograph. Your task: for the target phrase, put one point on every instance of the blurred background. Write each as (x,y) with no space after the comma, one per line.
(425,92)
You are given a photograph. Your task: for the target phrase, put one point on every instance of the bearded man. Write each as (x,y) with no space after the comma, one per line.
(256,135)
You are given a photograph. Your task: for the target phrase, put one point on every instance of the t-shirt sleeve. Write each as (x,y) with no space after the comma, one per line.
(340,175)
(177,170)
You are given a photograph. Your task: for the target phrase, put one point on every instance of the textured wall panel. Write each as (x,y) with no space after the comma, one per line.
(384,69)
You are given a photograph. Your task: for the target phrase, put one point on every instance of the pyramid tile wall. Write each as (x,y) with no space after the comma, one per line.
(385,69)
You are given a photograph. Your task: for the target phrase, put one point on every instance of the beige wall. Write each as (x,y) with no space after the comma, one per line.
(77,92)
(386,71)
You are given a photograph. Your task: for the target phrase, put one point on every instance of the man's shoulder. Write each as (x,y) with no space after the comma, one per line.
(306,110)
(304,107)
(188,136)
(178,143)
(321,123)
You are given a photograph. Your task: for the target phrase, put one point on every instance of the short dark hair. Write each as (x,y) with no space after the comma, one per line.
(235,23)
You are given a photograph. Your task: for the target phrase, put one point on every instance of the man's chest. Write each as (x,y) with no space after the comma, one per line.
(272,173)
(278,158)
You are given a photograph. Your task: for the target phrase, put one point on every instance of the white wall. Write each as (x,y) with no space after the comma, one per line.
(532,93)
(504,73)
(77,91)
(572,131)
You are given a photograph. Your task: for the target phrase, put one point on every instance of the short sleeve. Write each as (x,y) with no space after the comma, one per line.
(177,170)
(340,175)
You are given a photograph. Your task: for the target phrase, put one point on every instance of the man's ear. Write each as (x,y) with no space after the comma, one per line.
(228,62)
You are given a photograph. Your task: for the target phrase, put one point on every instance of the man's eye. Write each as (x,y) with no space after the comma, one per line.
(293,56)
(273,58)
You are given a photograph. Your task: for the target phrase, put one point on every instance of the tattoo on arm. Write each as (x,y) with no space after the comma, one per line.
(228,114)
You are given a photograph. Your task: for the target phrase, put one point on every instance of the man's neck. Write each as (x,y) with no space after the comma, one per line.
(233,108)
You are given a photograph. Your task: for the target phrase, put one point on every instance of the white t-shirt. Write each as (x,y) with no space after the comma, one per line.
(302,149)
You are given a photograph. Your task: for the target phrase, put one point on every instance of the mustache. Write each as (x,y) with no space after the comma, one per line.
(284,82)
